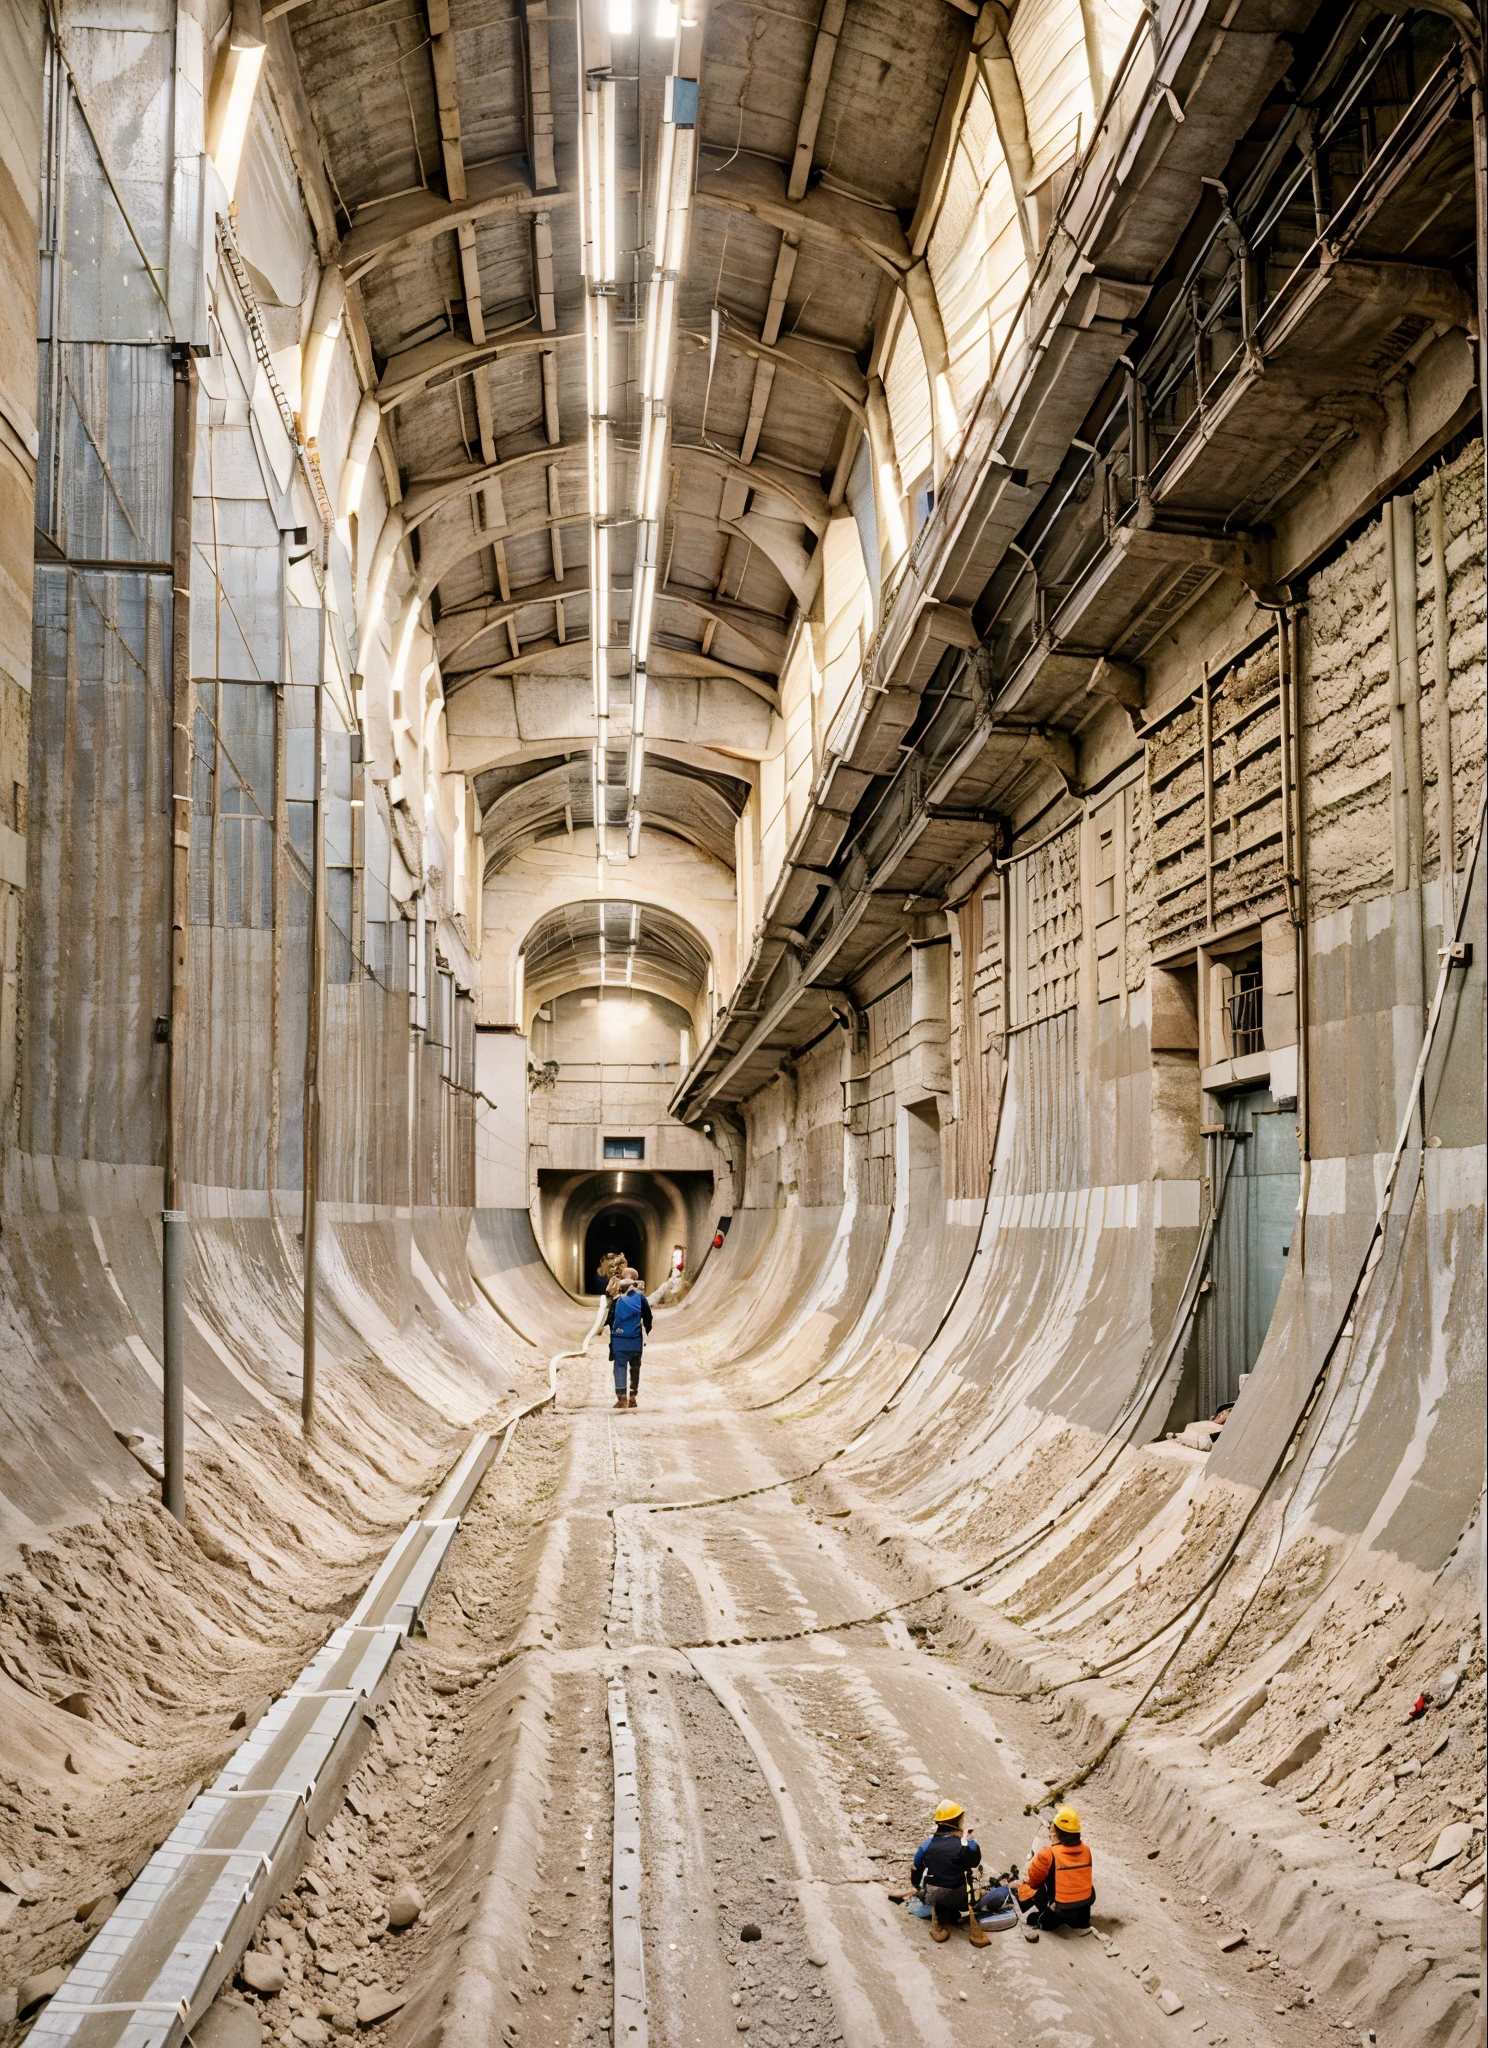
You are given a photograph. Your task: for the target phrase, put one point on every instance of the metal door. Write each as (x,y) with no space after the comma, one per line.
(1252,1238)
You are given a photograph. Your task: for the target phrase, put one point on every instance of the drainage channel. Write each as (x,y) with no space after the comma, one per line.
(176,1936)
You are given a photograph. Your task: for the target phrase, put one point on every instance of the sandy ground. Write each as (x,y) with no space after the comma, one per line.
(784,1785)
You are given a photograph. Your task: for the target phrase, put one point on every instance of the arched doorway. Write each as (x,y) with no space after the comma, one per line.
(613,1230)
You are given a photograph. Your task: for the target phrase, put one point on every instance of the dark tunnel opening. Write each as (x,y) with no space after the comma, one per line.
(613,1230)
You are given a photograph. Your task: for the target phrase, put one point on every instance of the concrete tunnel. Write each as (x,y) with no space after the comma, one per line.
(842,649)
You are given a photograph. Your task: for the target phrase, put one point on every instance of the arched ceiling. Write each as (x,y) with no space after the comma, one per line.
(539,799)
(563,950)
(448,130)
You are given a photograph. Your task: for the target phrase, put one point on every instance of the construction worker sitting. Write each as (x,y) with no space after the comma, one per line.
(1059,1889)
(943,1873)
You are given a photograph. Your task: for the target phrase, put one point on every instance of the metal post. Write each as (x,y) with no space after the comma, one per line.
(183,718)
(315,1012)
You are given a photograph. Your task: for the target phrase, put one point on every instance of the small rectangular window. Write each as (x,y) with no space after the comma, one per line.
(624,1148)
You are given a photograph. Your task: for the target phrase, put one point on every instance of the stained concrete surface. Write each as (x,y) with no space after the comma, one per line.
(784,1783)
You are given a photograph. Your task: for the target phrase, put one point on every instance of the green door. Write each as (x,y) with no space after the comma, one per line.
(1251,1240)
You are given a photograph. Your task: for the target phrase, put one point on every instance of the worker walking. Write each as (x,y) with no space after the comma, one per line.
(944,1874)
(1059,1887)
(629,1320)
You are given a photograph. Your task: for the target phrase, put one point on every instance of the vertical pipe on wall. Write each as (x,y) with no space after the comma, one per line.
(1446,823)
(273,1165)
(1404,511)
(183,716)
(1406,805)
(1291,739)
(1206,722)
(314,1021)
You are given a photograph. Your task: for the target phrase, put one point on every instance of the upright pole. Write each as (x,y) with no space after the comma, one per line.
(314,1020)
(183,717)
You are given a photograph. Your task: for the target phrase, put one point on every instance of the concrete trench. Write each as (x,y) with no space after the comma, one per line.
(784,1783)
(840,653)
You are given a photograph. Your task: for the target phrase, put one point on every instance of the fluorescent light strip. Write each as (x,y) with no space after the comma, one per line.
(599,203)
(675,160)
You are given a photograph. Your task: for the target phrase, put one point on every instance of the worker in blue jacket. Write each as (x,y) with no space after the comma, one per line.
(944,1871)
(628,1319)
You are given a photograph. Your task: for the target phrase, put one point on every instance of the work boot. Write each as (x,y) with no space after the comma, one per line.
(631,1402)
(937,1932)
(980,1938)
(1030,1930)
(621,1402)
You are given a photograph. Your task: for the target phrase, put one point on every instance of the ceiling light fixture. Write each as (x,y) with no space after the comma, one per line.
(598,194)
(675,169)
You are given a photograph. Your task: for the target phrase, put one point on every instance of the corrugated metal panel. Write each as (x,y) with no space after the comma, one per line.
(103,479)
(1045,1108)
(907,389)
(863,505)
(232,819)
(126,76)
(229,1075)
(1048,47)
(97,972)
(1047,923)
(977,1042)
(976,253)
(819,1120)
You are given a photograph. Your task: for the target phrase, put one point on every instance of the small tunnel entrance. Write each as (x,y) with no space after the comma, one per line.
(613,1230)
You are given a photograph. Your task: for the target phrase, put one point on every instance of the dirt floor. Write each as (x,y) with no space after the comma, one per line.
(784,1785)
(788,1766)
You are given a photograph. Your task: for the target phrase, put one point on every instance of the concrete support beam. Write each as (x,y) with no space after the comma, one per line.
(542,272)
(432,363)
(470,280)
(551,427)
(556,532)
(428,494)
(481,385)
(447,97)
(755,187)
(539,97)
(492,190)
(764,371)
(817,80)
(834,369)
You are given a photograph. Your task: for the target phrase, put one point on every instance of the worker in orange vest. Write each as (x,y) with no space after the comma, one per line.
(1058,1889)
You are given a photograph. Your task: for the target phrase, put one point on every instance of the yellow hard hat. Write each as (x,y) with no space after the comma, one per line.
(1067,1821)
(948,1810)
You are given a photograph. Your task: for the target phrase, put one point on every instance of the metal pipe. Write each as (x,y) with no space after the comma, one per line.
(183,718)
(1206,741)
(273,1164)
(1403,511)
(314,1021)
(1298,903)
(1399,829)
(1446,823)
